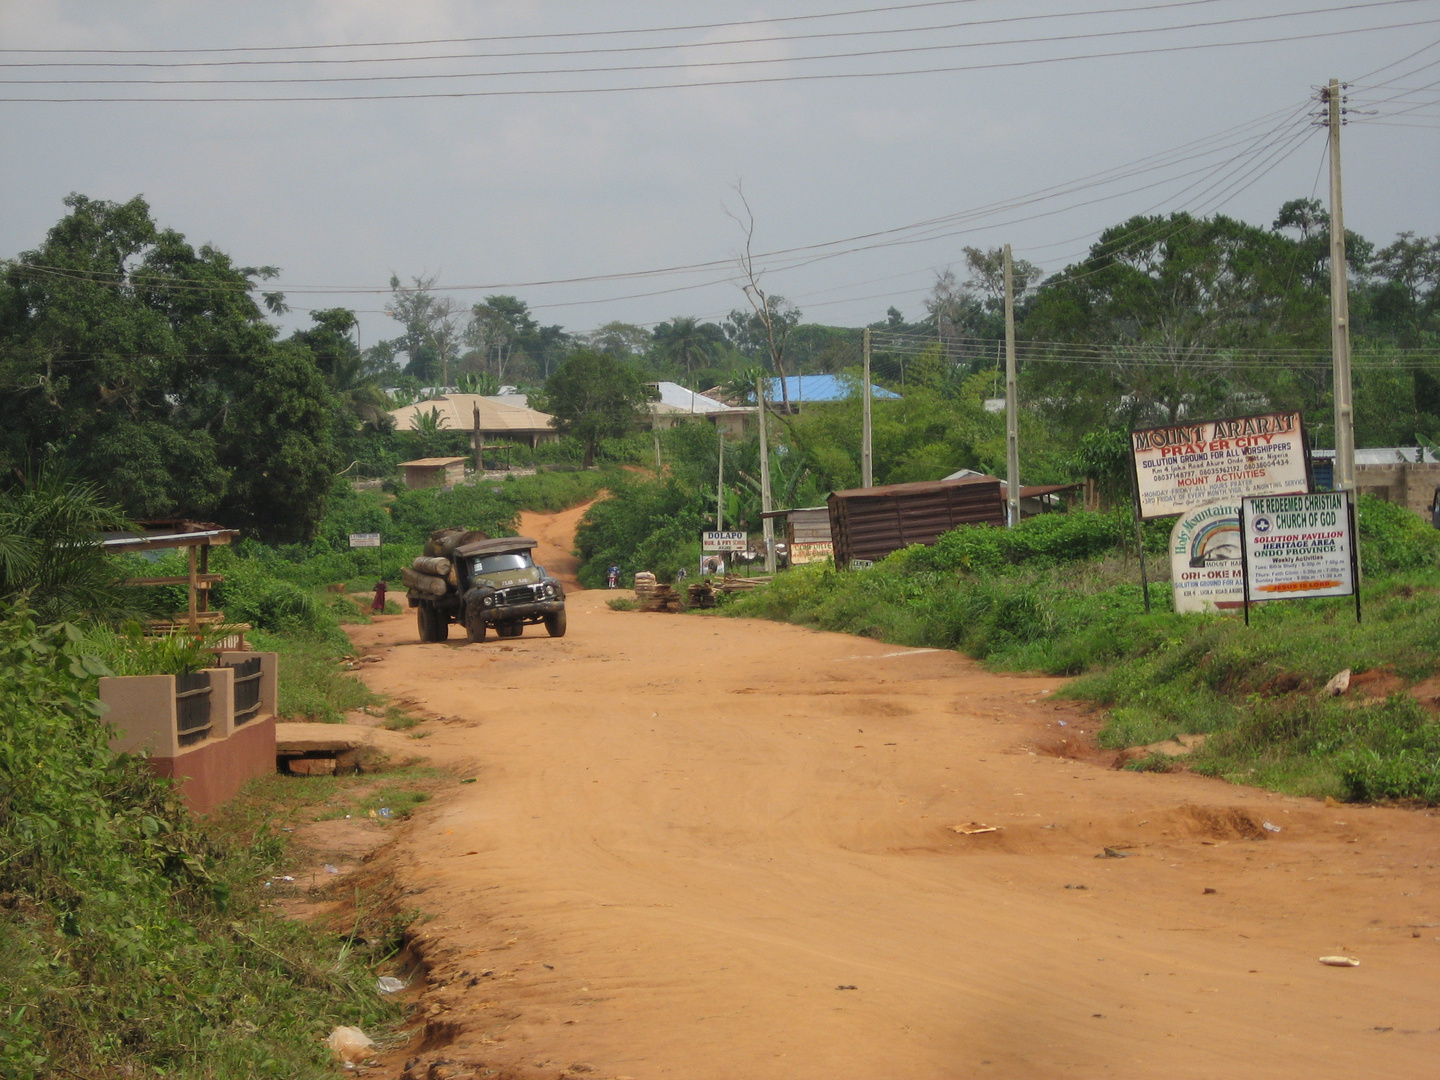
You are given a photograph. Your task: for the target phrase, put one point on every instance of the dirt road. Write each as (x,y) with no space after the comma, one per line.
(710,848)
(555,534)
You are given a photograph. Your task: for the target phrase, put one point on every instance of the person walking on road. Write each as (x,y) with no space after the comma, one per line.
(378,606)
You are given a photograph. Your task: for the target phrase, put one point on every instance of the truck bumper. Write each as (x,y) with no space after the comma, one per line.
(516,612)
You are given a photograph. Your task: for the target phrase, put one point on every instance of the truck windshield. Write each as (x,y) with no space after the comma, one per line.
(494,564)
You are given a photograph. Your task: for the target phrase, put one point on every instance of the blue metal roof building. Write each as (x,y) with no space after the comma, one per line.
(821,389)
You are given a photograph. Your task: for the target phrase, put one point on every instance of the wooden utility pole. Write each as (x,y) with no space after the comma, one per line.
(479,457)
(867,468)
(1012,403)
(767,523)
(1339,308)
(720,481)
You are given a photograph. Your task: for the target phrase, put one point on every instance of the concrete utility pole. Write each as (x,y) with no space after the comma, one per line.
(720,481)
(1012,403)
(768,523)
(1340,307)
(867,470)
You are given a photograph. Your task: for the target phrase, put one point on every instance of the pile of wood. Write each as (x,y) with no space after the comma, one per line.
(661,598)
(702,594)
(735,583)
(654,596)
(434,573)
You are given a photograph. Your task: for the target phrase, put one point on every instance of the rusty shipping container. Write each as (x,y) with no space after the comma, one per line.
(870,523)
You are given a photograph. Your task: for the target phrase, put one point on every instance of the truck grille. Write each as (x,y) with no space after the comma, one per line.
(520,594)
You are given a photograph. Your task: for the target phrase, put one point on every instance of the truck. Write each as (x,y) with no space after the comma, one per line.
(481,582)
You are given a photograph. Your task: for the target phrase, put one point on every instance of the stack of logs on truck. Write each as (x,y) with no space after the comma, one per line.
(468,578)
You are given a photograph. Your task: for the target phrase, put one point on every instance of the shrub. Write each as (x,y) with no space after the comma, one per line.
(1393,538)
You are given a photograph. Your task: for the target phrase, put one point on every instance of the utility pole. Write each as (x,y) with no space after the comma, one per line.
(867,468)
(720,481)
(767,523)
(1340,307)
(1012,403)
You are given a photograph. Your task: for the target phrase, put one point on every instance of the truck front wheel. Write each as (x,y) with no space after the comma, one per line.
(475,629)
(555,624)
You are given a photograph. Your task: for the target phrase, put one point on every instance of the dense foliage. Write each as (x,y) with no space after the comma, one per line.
(130,940)
(146,366)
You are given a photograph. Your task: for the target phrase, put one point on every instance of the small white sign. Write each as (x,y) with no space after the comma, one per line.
(364,540)
(724,541)
(1298,545)
(1205,565)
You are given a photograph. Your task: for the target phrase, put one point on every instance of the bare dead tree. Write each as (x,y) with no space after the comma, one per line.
(766,306)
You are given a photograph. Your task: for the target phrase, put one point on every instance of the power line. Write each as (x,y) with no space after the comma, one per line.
(613,49)
(725,64)
(698,84)
(514,37)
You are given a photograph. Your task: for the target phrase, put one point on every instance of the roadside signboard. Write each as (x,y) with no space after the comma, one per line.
(358,540)
(724,541)
(1205,564)
(1297,546)
(1187,465)
(800,554)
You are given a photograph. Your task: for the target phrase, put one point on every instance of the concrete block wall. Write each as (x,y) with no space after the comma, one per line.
(142,710)
(1408,483)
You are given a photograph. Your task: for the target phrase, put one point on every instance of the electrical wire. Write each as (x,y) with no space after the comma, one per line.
(609,50)
(702,83)
(632,69)
(1175,156)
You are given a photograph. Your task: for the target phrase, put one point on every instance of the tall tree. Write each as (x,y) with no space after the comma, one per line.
(1169,299)
(687,343)
(432,332)
(774,316)
(128,354)
(499,328)
(594,396)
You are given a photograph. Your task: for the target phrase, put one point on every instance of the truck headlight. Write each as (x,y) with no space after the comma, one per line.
(487,600)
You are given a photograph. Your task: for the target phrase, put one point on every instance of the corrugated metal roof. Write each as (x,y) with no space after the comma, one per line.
(430,462)
(675,398)
(456,412)
(819,389)
(1384,455)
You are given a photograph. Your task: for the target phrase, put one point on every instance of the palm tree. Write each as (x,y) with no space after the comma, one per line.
(683,341)
(50,552)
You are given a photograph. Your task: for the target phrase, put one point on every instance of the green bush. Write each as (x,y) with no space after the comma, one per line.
(644,525)
(1393,538)
(1044,540)
(132,942)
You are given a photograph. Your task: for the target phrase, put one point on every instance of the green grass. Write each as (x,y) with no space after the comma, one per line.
(313,683)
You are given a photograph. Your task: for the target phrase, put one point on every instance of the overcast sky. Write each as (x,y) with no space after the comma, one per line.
(513,187)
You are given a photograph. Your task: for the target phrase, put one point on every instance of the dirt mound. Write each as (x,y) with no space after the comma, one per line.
(1221,823)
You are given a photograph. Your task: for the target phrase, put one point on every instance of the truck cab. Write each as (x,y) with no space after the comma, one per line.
(502,587)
